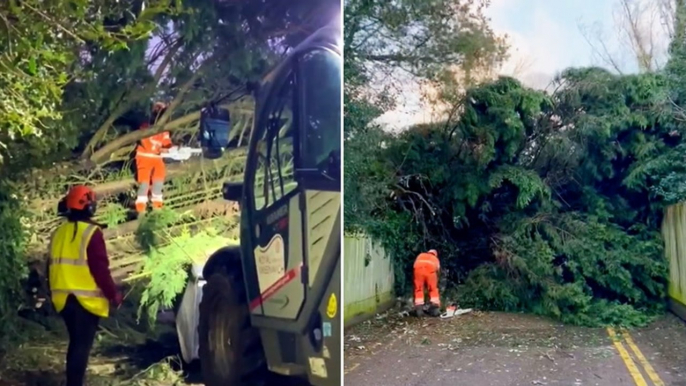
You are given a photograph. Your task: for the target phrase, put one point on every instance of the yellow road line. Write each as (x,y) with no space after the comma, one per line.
(652,374)
(630,365)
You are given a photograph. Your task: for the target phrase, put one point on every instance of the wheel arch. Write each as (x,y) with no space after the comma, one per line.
(227,258)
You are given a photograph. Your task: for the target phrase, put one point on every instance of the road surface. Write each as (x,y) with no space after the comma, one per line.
(499,349)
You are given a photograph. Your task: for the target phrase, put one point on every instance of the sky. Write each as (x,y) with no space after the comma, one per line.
(545,37)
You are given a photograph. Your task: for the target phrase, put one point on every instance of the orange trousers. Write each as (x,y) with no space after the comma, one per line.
(424,277)
(150,173)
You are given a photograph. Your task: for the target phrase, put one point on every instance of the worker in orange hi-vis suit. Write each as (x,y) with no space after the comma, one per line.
(426,268)
(150,169)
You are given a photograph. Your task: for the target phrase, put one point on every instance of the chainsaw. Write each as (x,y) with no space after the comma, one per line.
(181,154)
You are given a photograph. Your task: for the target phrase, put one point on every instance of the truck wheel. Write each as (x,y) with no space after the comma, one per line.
(230,349)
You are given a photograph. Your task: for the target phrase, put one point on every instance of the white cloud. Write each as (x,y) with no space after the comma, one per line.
(544,37)
(541,50)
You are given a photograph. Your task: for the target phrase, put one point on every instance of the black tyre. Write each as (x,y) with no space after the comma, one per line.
(230,351)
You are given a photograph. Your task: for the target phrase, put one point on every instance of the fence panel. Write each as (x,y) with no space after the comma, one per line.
(674,234)
(368,279)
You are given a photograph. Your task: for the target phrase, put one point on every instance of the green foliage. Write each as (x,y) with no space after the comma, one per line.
(424,39)
(148,232)
(418,36)
(573,268)
(40,43)
(12,246)
(112,215)
(170,257)
(549,204)
(76,75)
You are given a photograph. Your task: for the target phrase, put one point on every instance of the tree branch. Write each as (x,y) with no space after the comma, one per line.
(103,153)
(123,107)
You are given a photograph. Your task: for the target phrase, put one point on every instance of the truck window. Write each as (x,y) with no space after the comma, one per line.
(321,82)
(275,164)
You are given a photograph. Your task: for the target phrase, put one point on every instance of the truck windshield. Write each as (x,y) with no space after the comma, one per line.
(321,83)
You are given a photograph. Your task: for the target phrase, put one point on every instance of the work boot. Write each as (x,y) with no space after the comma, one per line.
(434,310)
(140,207)
(419,310)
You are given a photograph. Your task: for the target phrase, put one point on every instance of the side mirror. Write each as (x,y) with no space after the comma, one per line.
(232,191)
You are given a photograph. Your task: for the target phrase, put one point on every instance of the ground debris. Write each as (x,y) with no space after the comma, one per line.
(495,348)
(125,353)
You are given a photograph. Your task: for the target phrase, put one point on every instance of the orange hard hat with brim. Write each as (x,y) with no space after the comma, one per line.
(79,197)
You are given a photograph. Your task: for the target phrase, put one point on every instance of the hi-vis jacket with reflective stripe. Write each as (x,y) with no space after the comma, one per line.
(69,272)
(151,147)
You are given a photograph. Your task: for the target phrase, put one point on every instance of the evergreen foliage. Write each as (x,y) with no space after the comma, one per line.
(549,203)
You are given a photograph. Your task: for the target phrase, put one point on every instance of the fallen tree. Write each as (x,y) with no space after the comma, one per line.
(83,99)
(544,203)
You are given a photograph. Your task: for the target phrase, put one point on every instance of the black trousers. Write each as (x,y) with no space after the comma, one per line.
(82,326)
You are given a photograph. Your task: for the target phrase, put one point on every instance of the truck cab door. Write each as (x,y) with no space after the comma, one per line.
(293,184)
(273,205)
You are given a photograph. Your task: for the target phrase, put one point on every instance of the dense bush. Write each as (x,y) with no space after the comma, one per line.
(12,242)
(544,203)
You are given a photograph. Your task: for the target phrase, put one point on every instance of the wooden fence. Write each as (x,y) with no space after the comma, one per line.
(368,281)
(674,234)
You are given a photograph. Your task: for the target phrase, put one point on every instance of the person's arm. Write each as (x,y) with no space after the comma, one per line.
(166,140)
(99,265)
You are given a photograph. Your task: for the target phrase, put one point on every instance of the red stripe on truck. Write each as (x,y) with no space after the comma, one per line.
(274,288)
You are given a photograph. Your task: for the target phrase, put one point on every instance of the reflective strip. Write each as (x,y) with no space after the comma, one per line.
(65,261)
(147,155)
(435,301)
(141,199)
(156,198)
(83,248)
(418,302)
(84,293)
(85,240)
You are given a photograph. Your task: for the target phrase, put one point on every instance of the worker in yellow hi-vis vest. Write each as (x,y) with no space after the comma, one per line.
(81,284)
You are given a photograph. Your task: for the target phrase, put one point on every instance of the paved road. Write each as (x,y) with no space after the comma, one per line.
(512,350)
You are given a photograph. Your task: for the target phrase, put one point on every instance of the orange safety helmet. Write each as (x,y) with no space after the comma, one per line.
(433,252)
(81,198)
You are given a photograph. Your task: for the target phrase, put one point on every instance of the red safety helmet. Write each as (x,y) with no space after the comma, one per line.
(433,252)
(81,198)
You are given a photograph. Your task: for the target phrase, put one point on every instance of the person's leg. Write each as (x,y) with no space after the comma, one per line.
(82,327)
(419,280)
(158,175)
(418,288)
(143,176)
(68,316)
(432,283)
